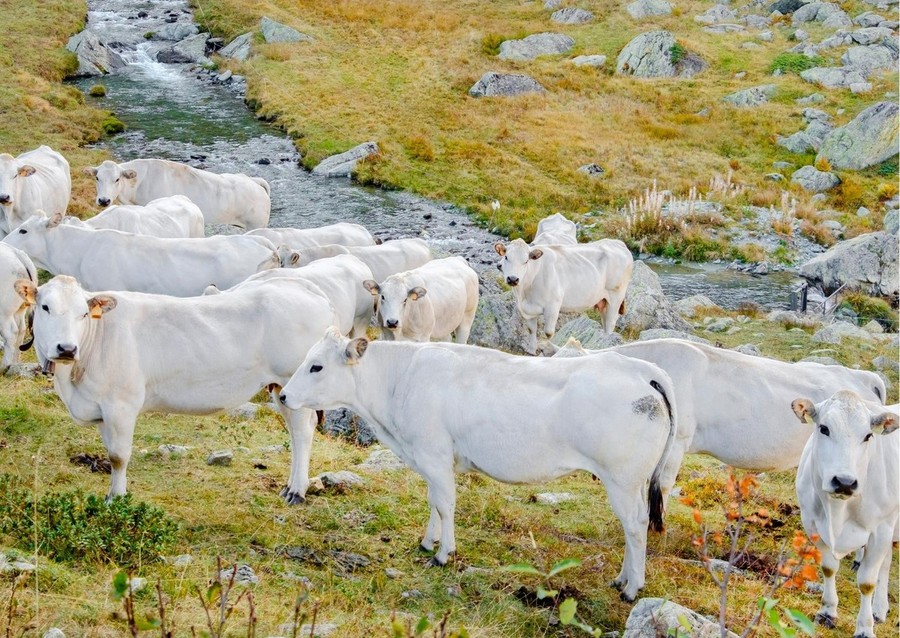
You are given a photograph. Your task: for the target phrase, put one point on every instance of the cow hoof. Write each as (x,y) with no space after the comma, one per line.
(864,635)
(294,498)
(283,492)
(434,562)
(878,620)
(616,585)
(626,598)
(424,548)
(826,620)
(855,566)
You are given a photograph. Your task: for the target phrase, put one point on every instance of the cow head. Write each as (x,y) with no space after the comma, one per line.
(515,262)
(391,299)
(289,258)
(113,183)
(325,378)
(844,440)
(31,236)
(12,174)
(62,313)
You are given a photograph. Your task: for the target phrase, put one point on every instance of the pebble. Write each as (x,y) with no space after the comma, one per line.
(168,449)
(220,457)
(392,572)
(245,575)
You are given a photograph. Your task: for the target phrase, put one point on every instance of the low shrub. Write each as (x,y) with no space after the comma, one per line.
(794,63)
(869,308)
(98,90)
(113,125)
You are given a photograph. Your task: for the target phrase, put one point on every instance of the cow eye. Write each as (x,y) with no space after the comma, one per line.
(22,231)
(45,308)
(824,430)
(315,368)
(868,438)
(382,297)
(117,180)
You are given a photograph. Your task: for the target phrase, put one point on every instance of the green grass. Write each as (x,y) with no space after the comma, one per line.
(795,63)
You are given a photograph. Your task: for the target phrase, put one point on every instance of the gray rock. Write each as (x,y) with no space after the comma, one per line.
(649,55)
(341,480)
(343,423)
(835,332)
(182,560)
(789,317)
(724,28)
(756,22)
(662,333)
(716,14)
(591,170)
(220,457)
(749,348)
(775,177)
(588,332)
(535,46)
(818,131)
(881,4)
(244,576)
(381,460)
(176,32)
(571,16)
(835,77)
(94,57)
(816,115)
(891,223)
(870,138)
(224,77)
(870,35)
(825,361)
(13,565)
(53,632)
(237,49)
(276,32)
(553,498)
(168,450)
(815,98)
(722,324)
(765,36)
(651,617)
(689,306)
(873,57)
(24,370)
(494,84)
(640,9)
(393,573)
(245,411)
(497,323)
(785,7)
(799,142)
(589,60)
(840,39)
(750,45)
(343,164)
(814,180)
(860,87)
(868,19)
(873,327)
(862,211)
(782,165)
(552,4)
(191,50)
(754,96)
(885,363)
(646,306)
(821,12)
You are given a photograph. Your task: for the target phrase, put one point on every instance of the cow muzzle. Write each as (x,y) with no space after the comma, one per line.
(66,352)
(843,486)
(103,201)
(392,324)
(5,199)
(512,281)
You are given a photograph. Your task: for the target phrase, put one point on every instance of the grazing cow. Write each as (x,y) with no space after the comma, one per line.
(555,230)
(432,301)
(340,279)
(116,355)
(38,179)
(384,259)
(342,233)
(446,408)
(551,279)
(113,260)
(224,198)
(847,489)
(734,406)
(172,217)
(14,265)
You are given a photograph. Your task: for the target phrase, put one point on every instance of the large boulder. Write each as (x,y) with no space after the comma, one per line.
(652,617)
(343,164)
(785,7)
(276,32)
(754,96)
(656,54)
(716,14)
(176,31)
(589,333)
(94,57)
(828,13)
(571,16)
(836,77)
(867,262)
(873,57)
(535,46)
(815,181)
(641,9)
(191,50)
(870,138)
(646,306)
(237,49)
(504,84)
(347,425)
(498,323)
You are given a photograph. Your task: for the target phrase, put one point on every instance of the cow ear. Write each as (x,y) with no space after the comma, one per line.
(101,304)
(26,290)
(89,170)
(500,248)
(26,170)
(805,410)
(55,221)
(211,289)
(416,293)
(294,258)
(537,253)
(355,350)
(884,423)
(129,174)
(372,286)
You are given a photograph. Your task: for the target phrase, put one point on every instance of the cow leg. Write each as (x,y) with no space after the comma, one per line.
(611,315)
(867,579)
(551,316)
(301,425)
(442,498)
(669,473)
(827,614)
(881,606)
(117,432)
(858,558)
(531,327)
(10,346)
(630,506)
(433,531)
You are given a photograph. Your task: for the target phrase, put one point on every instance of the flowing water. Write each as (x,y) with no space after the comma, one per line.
(172,113)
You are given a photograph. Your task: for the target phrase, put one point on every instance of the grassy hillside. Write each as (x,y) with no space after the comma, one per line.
(398,72)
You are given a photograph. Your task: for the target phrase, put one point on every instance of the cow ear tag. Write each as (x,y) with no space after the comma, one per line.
(96,311)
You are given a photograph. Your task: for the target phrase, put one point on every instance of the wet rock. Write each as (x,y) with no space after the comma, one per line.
(595,61)
(572,16)
(276,32)
(867,262)
(835,77)
(534,46)
(343,164)
(834,333)
(494,84)
(716,14)
(176,32)
(553,498)
(347,425)
(244,576)
(753,96)
(650,55)
(651,617)
(646,306)
(94,57)
(870,138)
(191,50)
(382,459)
(224,77)
(341,480)
(220,457)
(237,49)
(588,332)
(662,333)
(814,180)
(640,9)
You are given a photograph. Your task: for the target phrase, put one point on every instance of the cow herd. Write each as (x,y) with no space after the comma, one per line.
(191,324)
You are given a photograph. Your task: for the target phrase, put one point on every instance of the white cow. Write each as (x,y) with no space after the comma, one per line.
(224,198)
(14,265)
(174,216)
(554,230)
(847,489)
(551,279)
(116,355)
(445,408)
(384,259)
(735,406)
(113,260)
(340,279)
(434,301)
(342,233)
(37,179)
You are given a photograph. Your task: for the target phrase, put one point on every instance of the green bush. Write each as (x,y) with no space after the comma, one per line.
(77,527)
(490,44)
(677,53)
(869,308)
(98,90)
(794,63)
(113,125)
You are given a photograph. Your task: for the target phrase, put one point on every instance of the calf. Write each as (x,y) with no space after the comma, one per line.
(174,216)
(446,408)
(14,265)
(35,180)
(847,489)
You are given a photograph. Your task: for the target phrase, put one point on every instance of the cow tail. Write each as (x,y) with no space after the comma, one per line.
(657,506)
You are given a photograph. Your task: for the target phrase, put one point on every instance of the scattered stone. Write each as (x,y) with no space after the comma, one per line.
(534,46)
(815,588)
(835,332)
(867,262)
(168,450)
(815,98)
(591,170)
(775,177)
(244,576)
(552,498)
(176,32)
(588,332)
(860,87)
(785,7)
(825,361)
(276,32)
(505,84)
(572,16)
(552,4)
(341,480)
(182,560)
(237,49)
(870,138)
(650,55)
(497,323)
(24,370)
(343,423)
(646,306)
(651,617)
(782,165)
(662,333)
(382,459)
(868,19)
(716,14)
(53,632)
(720,325)
(245,411)
(724,28)
(750,45)
(749,348)
(343,164)
(884,363)
(348,561)
(756,22)
(799,142)
(393,573)
(800,35)
(753,96)
(828,13)
(319,630)
(873,327)
(891,223)
(640,9)
(689,306)
(220,457)
(872,58)
(835,77)
(595,61)
(13,565)
(814,180)
(790,317)
(870,35)
(94,57)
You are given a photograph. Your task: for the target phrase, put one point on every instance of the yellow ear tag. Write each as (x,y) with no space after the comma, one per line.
(808,418)
(96,312)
